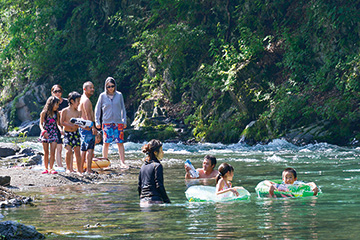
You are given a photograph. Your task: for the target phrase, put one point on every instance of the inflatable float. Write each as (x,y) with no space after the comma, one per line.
(97,163)
(208,194)
(299,189)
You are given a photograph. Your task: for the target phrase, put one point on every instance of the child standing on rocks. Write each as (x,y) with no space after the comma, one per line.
(49,125)
(72,135)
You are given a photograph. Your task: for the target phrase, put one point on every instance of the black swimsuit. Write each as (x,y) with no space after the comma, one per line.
(151,182)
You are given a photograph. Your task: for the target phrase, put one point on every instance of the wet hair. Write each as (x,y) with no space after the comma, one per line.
(150,148)
(56,86)
(73,96)
(290,170)
(223,169)
(212,159)
(49,105)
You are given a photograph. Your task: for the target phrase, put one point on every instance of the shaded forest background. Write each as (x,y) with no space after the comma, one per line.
(218,65)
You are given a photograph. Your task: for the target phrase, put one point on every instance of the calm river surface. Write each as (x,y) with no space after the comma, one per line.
(63,212)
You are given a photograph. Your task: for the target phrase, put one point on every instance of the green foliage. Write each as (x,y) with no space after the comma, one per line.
(225,63)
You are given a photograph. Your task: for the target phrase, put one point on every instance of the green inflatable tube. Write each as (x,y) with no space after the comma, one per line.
(299,189)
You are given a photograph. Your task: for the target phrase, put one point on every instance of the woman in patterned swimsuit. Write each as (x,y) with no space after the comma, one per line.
(49,125)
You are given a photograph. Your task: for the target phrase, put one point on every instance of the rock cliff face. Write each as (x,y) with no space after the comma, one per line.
(151,121)
(25,107)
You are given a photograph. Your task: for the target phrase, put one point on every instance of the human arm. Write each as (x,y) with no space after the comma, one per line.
(220,186)
(159,183)
(98,107)
(314,188)
(272,187)
(63,117)
(187,174)
(44,133)
(123,110)
(139,184)
(88,114)
(58,123)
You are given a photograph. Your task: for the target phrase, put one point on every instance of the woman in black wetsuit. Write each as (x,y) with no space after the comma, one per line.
(151,181)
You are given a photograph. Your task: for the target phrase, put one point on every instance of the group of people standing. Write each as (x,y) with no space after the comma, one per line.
(109,118)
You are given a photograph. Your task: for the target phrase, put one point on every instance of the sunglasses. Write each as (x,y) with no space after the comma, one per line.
(57,91)
(110,86)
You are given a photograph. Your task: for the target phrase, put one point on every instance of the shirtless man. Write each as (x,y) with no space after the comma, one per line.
(72,135)
(207,171)
(87,134)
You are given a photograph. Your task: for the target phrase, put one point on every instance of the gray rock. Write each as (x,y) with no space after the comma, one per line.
(15,230)
(5,180)
(27,151)
(27,108)
(14,157)
(8,149)
(36,159)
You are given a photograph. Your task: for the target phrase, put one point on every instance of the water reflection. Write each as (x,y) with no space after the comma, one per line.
(288,218)
(64,211)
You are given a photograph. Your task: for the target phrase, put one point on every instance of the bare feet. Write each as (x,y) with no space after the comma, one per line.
(124,166)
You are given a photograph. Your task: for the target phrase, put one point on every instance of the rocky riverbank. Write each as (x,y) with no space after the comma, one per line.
(15,230)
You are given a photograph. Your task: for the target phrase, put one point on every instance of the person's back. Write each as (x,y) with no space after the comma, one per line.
(150,182)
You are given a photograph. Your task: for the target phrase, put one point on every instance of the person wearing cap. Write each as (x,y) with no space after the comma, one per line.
(151,180)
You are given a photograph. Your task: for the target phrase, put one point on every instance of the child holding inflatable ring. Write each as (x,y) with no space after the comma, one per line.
(223,181)
(289,177)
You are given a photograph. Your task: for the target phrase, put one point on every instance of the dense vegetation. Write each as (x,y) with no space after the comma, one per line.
(218,64)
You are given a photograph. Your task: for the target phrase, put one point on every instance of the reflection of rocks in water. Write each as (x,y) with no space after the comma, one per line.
(15,230)
(10,199)
(93,226)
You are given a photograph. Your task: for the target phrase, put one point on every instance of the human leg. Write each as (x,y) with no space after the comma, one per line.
(58,155)
(79,162)
(68,159)
(89,157)
(122,155)
(83,160)
(53,146)
(105,149)
(46,156)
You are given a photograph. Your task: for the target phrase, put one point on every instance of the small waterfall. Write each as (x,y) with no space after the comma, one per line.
(243,135)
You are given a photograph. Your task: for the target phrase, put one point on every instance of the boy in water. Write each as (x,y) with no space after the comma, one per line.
(72,135)
(289,176)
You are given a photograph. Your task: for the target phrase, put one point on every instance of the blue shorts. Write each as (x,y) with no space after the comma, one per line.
(113,132)
(87,139)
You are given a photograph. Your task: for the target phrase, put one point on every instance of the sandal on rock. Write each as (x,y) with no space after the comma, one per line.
(53,171)
(45,172)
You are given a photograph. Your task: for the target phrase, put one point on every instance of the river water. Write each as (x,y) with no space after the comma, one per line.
(64,212)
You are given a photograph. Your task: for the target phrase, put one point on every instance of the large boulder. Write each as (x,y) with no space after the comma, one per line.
(27,128)
(26,107)
(150,109)
(5,180)
(15,230)
(8,149)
